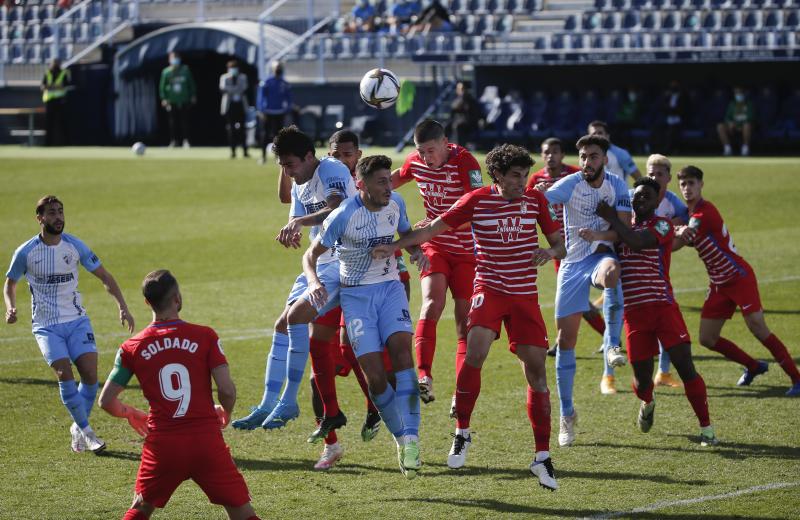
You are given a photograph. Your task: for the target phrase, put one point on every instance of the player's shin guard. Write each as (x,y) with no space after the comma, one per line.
(461,353)
(468,387)
(730,350)
(387,407)
(645,394)
(696,394)
(565,379)
(134,514)
(425,345)
(74,402)
(663,359)
(612,315)
(782,356)
(88,393)
(296,359)
(276,370)
(539,416)
(407,398)
(322,365)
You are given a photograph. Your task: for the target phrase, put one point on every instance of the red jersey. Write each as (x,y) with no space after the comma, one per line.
(715,246)
(544,176)
(645,273)
(441,188)
(173,361)
(505,237)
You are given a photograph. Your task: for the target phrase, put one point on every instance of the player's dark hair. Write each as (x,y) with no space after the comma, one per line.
(344,136)
(588,140)
(291,141)
(502,158)
(428,130)
(369,165)
(44,201)
(158,287)
(599,123)
(690,172)
(649,182)
(553,141)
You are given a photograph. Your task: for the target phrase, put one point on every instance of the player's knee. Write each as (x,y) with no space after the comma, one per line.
(432,309)
(757,327)
(281,325)
(709,340)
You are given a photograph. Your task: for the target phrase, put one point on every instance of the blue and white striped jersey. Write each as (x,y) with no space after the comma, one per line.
(331,177)
(580,201)
(620,162)
(52,274)
(354,230)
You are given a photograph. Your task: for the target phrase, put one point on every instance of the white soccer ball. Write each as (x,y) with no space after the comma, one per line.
(379,88)
(138,148)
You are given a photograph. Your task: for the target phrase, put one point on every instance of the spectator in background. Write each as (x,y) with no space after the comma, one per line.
(738,120)
(465,115)
(178,93)
(362,18)
(628,115)
(433,18)
(674,107)
(233,85)
(54,87)
(402,15)
(273,102)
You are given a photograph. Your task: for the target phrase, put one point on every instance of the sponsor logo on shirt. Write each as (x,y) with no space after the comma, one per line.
(376,241)
(509,228)
(59,278)
(435,192)
(313,207)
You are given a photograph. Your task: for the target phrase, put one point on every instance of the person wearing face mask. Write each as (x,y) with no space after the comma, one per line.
(233,85)
(178,93)
(738,119)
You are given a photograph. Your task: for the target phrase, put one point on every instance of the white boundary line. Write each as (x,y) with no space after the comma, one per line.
(689,501)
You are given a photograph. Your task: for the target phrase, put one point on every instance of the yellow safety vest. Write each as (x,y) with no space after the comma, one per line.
(54,89)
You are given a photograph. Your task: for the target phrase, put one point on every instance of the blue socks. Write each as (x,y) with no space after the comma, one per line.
(663,359)
(88,393)
(407,399)
(565,379)
(74,402)
(612,315)
(295,362)
(276,370)
(387,406)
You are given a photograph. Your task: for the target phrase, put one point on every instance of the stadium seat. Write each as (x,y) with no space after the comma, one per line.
(16,32)
(772,20)
(631,20)
(31,13)
(33,53)
(635,41)
(312,49)
(540,43)
(678,4)
(752,20)
(723,39)
(732,20)
(744,39)
(47,53)
(611,22)
(345,48)
(506,24)
(620,5)
(479,6)
(556,41)
(14,14)
(701,4)
(651,20)
(571,23)
(46,33)
(703,40)
(640,5)
(711,20)
(669,21)
(680,40)
(95,30)
(600,41)
(792,19)
(577,41)
(16,53)
(364,47)
(309,120)
(601,4)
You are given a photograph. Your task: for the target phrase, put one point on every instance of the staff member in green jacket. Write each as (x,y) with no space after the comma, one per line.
(54,95)
(178,93)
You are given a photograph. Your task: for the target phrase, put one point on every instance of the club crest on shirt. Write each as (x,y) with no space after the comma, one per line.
(67,258)
(390,218)
(662,227)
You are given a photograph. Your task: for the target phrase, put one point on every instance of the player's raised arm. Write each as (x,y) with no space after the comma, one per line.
(284,188)
(10,298)
(317,294)
(226,393)
(414,237)
(113,289)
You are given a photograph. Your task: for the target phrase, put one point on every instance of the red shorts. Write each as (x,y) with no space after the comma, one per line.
(169,459)
(458,269)
(520,314)
(722,300)
(332,318)
(646,325)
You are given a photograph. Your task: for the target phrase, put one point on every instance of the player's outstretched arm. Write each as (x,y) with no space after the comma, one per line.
(317,294)
(636,240)
(557,250)
(412,238)
(10,297)
(226,392)
(109,401)
(397,180)
(113,289)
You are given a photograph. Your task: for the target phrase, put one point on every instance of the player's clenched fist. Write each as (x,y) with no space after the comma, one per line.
(384,251)
(224,416)
(11,315)
(290,235)
(317,294)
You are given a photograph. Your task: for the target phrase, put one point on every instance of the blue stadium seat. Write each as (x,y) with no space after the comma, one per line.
(562,115)
(95,30)
(600,41)
(669,21)
(31,13)
(651,20)
(723,39)
(557,41)
(571,23)
(33,53)
(540,43)
(732,20)
(47,53)
(658,4)
(680,40)
(636,41)
(32,32)
(578,41)
(701,4)
(711,20)
(611,22)
(620,41)
(772,20)
(14,14)
(640,4)
(678,4)
(601,4)
(15,54)
(660,41)
(505,24)
(744,39)
(4,33)
(752,20)
(792,19)
(479,6)
(703,40)
(630,20)
(46,32)
(620,5)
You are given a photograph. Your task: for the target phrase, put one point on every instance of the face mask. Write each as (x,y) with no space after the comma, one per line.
(175,61)
(234,71)
(632,96)
(739,97)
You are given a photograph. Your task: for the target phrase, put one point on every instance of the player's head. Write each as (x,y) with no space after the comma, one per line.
(343,145)
(690,181)
(645,198)
(431,143)
(509,165)
(600,128)
(374,179)
(553,153)
(50,214)
(161,292)
(296,154)
(592,156)
(659,168)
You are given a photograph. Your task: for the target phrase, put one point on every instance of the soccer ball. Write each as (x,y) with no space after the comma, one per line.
(138,148)
(379,88)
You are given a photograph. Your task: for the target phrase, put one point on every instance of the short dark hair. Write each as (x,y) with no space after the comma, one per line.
(690,172)
(649,182)
(369,165)
(157,287)
(232,63)
(344,136)
(588,140)
(291,141)
(44,201)
(553,141)
(175,53)
(597,122)
(502,158)
(428,130)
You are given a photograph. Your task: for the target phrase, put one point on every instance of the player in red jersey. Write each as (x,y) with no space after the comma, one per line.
(651,313)
(553,156)
(174,362)
(444,172)
(503,218)
(732,284)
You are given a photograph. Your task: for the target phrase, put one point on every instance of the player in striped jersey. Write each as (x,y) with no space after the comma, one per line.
(732,284)
(503,218)
(443,172)
(651,313)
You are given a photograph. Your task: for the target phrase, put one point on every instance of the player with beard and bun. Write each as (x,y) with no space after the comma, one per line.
(49,261)
(174,362)
(651,313)
(444,172)
(732,284)
(503,219)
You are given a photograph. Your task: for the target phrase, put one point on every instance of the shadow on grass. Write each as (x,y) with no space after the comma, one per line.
(728,450)
(122,455)
(38,381)
(342,468)
(692,308)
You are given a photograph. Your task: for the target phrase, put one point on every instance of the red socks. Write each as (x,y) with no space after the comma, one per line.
(324,375)
(349,355)
(730,350)
(134,514)
(539,415)
(782,356)
(696,393)
(425,345)
(468,387)
(461,353)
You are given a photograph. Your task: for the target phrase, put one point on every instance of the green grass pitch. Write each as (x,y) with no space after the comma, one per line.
(212,221)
